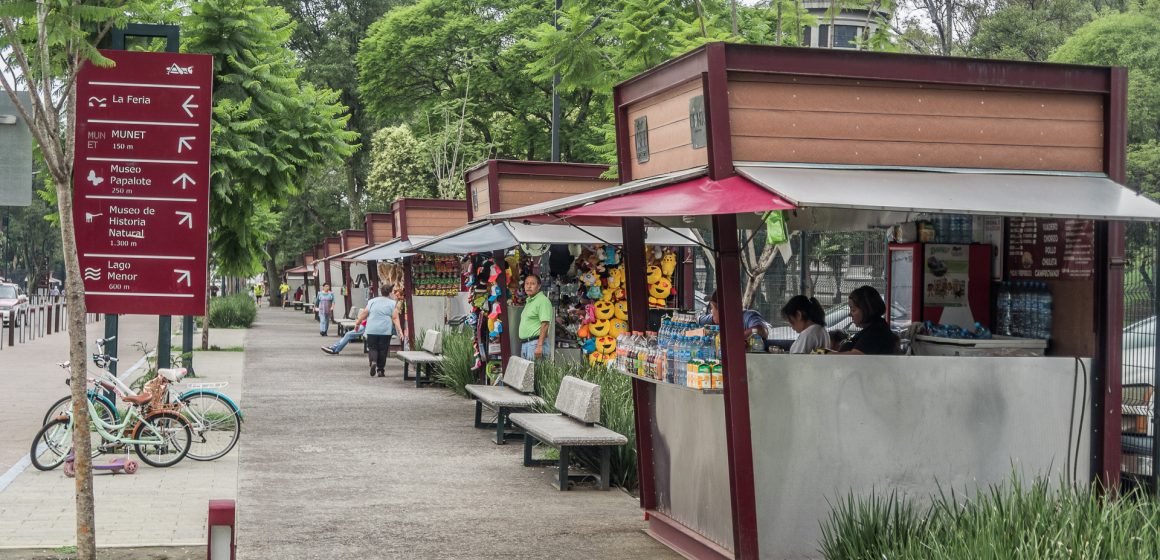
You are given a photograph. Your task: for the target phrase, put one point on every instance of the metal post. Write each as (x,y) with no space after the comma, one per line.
(111,320)
(1156,358)
(187,343)
(556,94)
(164,333)
(803,245)
(738,434)
(642,392)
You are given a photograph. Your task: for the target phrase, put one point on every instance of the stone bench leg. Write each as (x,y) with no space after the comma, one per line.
(529,443)
(605,466)
(501,425)
(479,414)
(406,369)
(565,458)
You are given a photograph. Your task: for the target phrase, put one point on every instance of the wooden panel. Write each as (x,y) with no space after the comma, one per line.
(434,221)
(333,247)
(398,224)
(669,139)
(856,122)
(383,231)
(916,128)
(916,154)
(866,97)
(479,197)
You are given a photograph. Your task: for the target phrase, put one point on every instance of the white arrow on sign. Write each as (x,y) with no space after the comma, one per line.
(186,218)
(184,141)
(188,105)
(183,275)
(185,179)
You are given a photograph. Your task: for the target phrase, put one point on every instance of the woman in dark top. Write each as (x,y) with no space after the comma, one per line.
(867,310)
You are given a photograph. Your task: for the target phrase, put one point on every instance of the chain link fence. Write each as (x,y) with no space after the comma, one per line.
(1138,371)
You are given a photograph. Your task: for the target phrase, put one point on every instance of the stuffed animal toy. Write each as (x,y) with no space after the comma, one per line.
(496,328)
(604,310)
(595,358)
(621,310)
(588,346)
(608,296)
(582,332)
(600,328)
(618,327)
(659,291)
(610,256)
(589,314)
(606,345)
(615,278)
(668,263)
(654,274)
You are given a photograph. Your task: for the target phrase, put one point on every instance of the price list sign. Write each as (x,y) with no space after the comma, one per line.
(141,182)
(1050,248)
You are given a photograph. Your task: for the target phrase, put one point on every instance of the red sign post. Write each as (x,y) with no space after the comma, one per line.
(141,182)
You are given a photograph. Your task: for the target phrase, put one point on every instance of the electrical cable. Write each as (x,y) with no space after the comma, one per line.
(1082,413)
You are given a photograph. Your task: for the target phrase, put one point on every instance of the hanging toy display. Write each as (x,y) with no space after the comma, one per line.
(436,275)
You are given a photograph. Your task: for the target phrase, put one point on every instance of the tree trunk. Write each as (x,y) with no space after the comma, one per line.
(273,281)
(77,334)
(756,275)
(354,204)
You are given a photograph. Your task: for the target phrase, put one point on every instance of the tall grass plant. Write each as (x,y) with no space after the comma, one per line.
(1012,520)
(455,371)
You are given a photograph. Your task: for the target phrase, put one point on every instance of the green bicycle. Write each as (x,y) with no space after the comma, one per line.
(160,439)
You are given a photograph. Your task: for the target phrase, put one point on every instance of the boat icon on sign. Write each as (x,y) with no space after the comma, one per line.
(180,70)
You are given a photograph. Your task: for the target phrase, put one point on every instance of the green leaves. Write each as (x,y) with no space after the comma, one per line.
(270,130)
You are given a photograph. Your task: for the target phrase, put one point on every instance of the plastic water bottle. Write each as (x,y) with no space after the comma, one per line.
(1003,310)
(683,360)
(1043,311)
(1047,312)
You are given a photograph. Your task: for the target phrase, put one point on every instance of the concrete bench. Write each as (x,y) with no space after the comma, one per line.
(297,304)
(516,392)
(309,308)
(576,426)
(348,324)
(424,360)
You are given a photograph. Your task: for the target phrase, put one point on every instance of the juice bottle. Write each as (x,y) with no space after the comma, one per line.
(718,376)
(705,374)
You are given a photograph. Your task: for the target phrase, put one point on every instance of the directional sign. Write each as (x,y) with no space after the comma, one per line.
(141,182)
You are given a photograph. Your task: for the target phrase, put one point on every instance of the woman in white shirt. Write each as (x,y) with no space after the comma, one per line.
(806,317)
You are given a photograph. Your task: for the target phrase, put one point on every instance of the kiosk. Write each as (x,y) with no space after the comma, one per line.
(854,140)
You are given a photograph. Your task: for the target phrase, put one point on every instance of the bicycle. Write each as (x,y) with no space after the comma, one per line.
(214,417)
(161,438)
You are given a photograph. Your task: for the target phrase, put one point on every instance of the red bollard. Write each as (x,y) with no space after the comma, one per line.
(221,530)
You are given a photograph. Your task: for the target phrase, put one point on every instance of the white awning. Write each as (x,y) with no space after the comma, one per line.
(388,251)
(953,191)
(485,236)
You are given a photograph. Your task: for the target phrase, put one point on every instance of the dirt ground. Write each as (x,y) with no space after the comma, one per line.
(147,553)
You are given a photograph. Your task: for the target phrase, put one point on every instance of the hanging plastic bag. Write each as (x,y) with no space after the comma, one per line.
(775,229)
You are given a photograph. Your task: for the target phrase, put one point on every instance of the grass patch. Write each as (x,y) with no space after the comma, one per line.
(216,348)
(236,311)
(1012,520)
(65,550)
(616,412)
(455,371)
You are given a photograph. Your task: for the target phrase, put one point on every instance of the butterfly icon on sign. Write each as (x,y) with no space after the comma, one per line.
(94,179)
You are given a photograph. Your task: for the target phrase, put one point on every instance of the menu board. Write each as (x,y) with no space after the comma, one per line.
(1050,248)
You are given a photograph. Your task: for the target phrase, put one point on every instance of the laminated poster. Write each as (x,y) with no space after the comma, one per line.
(946,270)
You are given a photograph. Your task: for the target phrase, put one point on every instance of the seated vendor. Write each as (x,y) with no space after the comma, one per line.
(751,320)
(806,317)
(867,310)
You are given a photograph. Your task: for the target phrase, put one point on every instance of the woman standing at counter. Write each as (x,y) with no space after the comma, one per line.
(867,310)
(806,317)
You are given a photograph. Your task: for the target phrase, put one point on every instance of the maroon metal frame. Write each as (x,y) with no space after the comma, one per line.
(712,63)
(633,256)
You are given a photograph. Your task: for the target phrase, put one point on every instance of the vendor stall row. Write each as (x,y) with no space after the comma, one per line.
(999,186)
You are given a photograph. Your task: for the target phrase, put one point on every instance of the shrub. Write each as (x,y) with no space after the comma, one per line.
(1002,521)
(232,312)
(455,371)
(616,412)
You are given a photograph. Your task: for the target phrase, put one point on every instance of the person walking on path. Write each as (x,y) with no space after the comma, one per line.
(535,321)
(382,318)
(325,305)
(346,339)
(283,291)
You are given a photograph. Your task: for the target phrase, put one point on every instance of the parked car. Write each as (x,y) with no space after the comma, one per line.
(12,298)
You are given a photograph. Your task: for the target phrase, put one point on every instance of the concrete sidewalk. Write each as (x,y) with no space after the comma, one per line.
(154,507)
(337,464)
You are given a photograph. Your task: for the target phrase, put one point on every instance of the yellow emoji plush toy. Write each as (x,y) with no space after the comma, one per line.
(605,345)
(668,263)
(596,358)
(600,328)
(659,291)
(620,310)
(654,274)
(604,310)
(618,326)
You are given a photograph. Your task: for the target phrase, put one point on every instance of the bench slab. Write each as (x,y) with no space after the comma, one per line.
(507,397)
(557,430)
(418,357)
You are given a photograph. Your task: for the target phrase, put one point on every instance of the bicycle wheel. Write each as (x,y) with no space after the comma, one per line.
(172,436)
(51,445)
(64,406)
(215,424)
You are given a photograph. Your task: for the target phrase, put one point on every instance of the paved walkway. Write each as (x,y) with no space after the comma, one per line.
(336,464)
(154,507)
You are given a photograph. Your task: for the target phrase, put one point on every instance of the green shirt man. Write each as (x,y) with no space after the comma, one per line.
(535,321)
